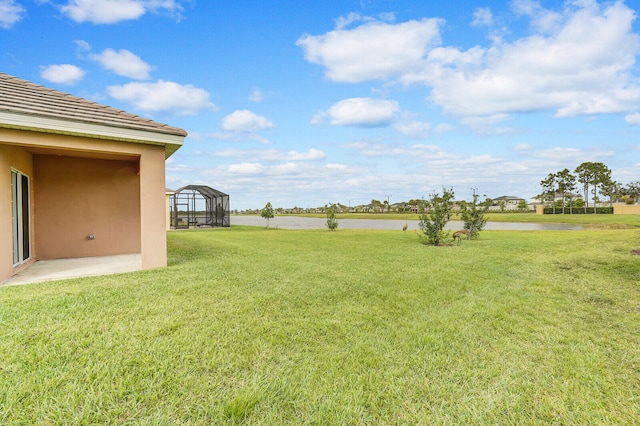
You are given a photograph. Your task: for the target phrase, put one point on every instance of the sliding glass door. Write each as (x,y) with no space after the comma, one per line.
(20,217)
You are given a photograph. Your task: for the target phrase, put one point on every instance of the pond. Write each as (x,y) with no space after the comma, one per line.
(297,222)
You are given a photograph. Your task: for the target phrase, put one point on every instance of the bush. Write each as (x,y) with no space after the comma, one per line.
(267,213)
(332,223)
(432,222)
(473,216)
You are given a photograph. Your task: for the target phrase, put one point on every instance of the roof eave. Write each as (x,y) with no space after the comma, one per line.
(171,141)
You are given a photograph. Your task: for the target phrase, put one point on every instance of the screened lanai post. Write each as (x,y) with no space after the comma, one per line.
(192,218)
(174,206)
(210,209)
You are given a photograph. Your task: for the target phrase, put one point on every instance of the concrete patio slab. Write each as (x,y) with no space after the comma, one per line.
(60,269)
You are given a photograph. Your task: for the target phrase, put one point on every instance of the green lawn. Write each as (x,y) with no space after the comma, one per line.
(255,326)
(589,220)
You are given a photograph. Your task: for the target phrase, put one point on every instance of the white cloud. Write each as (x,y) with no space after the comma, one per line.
(238,136)
(169,7)
(575,155)
(577,61)
(482,17)
(362,112)
(257,175)
(522,148)
(442,166)
(311,154)
(163,96)
(245,168)
(355,55)
(369,149)
(561,154)
(82,45)
(582,68)
(443,128)
(257,155)
(256,95)
(414,129)
(244,121)
(11,13)
(318,118)
(542,20)
(179,168)
(113,11)
(287,168)
(103,11)
(256,183)
(123,63)
(487,125)
(633,119)
(62,74)
(333,166)
(344,21)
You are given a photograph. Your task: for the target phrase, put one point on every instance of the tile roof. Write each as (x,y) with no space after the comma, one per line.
(24,97)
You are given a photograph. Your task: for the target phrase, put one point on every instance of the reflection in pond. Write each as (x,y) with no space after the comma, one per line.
(296,222)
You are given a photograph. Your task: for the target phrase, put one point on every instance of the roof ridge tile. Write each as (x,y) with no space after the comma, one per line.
(25,97)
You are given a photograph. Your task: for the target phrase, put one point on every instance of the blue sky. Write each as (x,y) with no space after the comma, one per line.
(304,103)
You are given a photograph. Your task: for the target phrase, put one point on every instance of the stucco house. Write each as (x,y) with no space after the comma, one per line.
(557,197)
(510,202)
(79,179)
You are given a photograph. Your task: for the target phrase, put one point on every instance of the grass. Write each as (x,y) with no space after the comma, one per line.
(603,221)
(249,326)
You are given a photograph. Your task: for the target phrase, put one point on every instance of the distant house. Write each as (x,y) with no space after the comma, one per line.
(79,179)
(510,202)
(557,197)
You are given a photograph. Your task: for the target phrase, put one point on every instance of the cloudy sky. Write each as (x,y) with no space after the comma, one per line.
(303,103)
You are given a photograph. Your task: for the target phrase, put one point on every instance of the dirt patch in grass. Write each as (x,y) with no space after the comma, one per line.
(636,252)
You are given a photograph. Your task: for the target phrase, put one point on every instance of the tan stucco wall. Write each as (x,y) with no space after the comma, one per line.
(78,197)
(152,207)
(20,149)
(626,209)
(20,160)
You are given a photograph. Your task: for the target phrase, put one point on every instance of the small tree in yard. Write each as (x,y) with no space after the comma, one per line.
(522,205)
(473,216)
(332,223)
(433,221)
(267,213)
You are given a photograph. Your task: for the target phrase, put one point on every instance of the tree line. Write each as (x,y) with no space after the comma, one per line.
(592,178)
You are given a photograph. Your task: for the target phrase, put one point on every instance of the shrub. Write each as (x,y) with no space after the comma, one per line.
(267,213)
(473,216)
(332,223)
(433,221)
